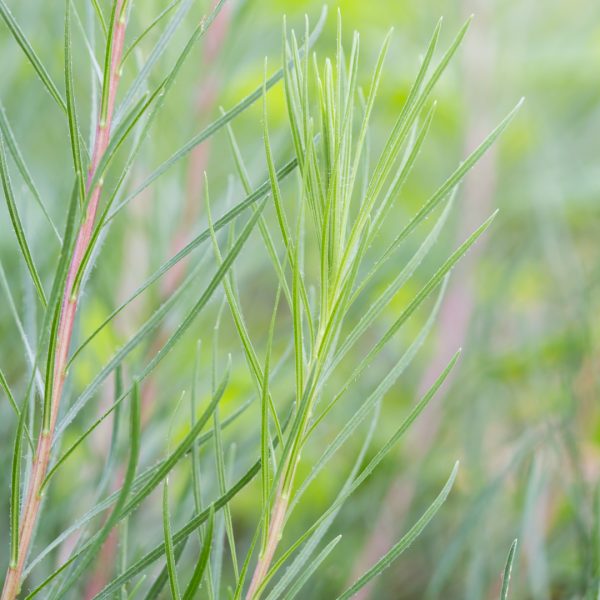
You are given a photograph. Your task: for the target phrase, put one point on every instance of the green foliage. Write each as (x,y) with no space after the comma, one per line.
(239,308)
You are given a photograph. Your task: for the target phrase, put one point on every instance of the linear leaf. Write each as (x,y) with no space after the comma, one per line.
(218,123)
(21,329)
(86,556)
(508,570)
(17,225)
(148,29)
(458,174)
(11,400)
(406,540)
(15,152)
(171,563)
(200,567)
(15,486)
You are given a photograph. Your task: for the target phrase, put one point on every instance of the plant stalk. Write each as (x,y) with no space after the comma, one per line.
(266,557)
(70,298)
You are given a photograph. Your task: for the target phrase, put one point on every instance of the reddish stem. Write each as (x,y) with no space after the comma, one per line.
(12,583)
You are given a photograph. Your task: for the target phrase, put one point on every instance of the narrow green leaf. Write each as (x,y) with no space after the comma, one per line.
(16,222)
(106,72)
(15,486)
(265,437)
(31,359)
(123,546)
(179,536)
(111,457)
(50,365)
(507,570)
(405,542)
(353,485)
(218,123)
(196,579)
(243,573)
(11,400)
(23,42)
(171,564)
(100,16)
(222,479)
(458,174)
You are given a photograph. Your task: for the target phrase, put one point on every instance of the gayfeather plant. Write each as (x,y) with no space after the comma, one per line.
(318,217)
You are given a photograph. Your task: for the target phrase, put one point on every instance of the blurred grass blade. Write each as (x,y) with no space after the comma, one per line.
(23,42)
(405,542)
(508,570)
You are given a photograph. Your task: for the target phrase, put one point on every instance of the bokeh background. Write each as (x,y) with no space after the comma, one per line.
(521,412)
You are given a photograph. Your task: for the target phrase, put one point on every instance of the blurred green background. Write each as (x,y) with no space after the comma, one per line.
(521,412)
